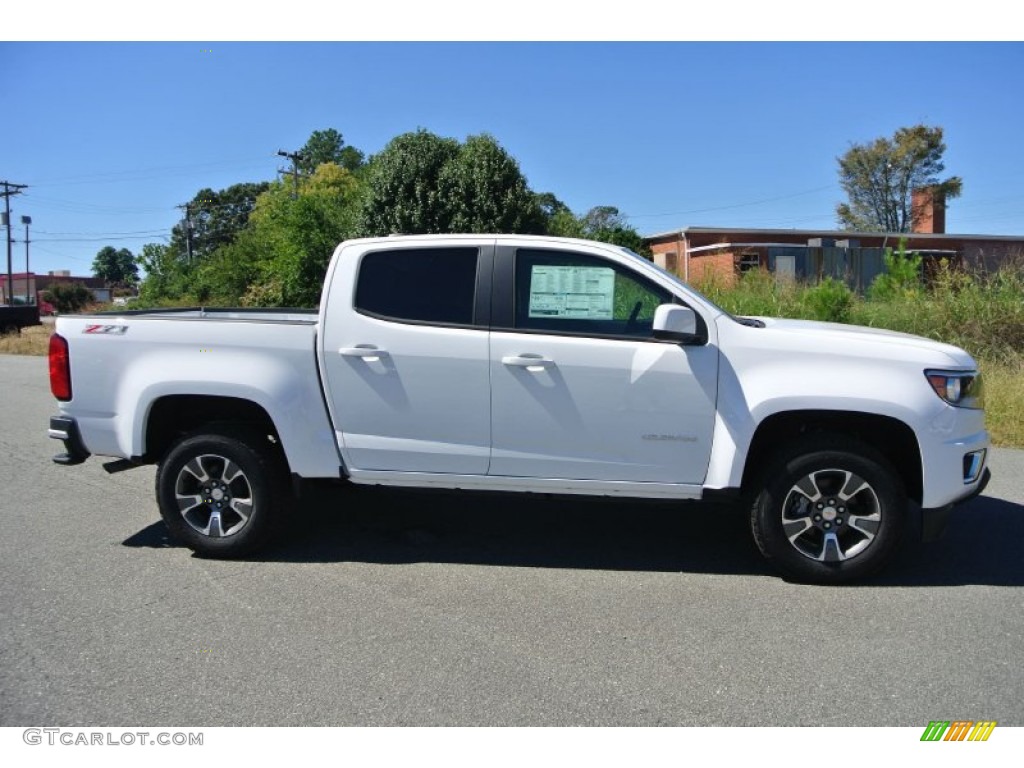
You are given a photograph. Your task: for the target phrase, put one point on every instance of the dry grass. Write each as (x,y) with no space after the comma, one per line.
(31,341)
(1004,401)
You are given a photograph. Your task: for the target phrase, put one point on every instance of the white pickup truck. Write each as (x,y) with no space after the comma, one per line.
(529,364)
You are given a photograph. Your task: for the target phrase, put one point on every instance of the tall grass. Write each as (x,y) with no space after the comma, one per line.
(982,313)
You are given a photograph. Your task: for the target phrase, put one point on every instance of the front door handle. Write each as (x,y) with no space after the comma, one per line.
(531,362)
(367,352)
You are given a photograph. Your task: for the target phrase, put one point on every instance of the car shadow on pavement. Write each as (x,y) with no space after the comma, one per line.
(353,524)
(983,545)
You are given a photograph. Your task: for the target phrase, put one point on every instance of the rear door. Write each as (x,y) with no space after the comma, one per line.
(405,357)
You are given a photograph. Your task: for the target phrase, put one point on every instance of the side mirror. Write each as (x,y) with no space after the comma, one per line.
(675,323)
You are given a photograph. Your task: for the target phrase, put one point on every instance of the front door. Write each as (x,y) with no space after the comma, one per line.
(579,387)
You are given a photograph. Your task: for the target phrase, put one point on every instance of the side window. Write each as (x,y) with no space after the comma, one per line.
(574,293)
(422,285)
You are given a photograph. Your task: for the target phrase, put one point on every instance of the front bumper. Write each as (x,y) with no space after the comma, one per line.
(65,428)
(935,519)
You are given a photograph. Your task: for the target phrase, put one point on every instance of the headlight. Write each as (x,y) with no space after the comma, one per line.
(961,388)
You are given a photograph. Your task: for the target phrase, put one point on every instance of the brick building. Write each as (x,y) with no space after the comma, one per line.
(30,284)
(700,253)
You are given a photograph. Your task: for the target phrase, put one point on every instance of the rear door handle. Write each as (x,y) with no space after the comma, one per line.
(531,362)
(367,352)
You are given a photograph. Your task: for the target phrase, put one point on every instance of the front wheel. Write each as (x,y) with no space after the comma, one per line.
(831,510)
(221,494)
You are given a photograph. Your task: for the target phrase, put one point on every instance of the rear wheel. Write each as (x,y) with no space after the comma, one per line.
(222,494)
(830,510)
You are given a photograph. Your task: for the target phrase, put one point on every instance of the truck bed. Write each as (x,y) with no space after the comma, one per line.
(124,363)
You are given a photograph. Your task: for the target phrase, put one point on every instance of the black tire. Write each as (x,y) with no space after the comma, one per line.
(237,509)
(829,510)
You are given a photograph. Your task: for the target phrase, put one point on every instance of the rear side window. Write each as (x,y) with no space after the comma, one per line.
(422,285)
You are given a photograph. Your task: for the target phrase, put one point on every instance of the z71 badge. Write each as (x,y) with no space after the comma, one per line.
(114,330)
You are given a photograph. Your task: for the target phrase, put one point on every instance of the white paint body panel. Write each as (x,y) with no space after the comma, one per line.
(116,379)
(603,409)
(422,405)
(448,407)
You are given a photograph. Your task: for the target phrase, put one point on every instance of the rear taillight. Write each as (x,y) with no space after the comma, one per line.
(60,368)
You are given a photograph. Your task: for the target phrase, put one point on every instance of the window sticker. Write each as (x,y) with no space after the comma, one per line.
(572,292)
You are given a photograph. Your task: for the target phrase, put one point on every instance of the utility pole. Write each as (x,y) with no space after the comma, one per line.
(9,190)
(187,207)
(295,157)
(26,220)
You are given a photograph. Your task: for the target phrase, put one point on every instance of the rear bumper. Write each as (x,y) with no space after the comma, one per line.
(935,519)
(65,429)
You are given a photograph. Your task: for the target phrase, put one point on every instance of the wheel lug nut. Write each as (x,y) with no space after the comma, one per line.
(841,509)
(820,505)
(817,518)
(839,521)
(827,525)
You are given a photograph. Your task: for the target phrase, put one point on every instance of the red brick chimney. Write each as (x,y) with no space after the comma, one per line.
(928,211)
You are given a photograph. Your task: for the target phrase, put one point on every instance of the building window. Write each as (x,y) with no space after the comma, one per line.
(748,261)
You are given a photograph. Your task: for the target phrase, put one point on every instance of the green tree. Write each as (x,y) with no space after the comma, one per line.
(603,218)
(403,192)
(564,223)
(329,147)
(281,258)
(116,266)
(485,191)
(603,222)
(422,183)
(169,279)
(878,179)
(217,217)
(550,205)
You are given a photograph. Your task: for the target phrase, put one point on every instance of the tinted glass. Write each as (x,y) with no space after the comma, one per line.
(430,285)
(574,293)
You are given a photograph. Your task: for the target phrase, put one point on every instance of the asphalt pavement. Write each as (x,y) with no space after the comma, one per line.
(414,608)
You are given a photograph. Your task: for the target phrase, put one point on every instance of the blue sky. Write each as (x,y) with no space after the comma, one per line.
(110,137)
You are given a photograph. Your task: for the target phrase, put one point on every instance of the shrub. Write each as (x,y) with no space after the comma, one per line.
(69,297)
(829,300)
(902,276)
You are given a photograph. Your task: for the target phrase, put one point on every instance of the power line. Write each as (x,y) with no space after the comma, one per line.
(75,206)
(141,174)
(95,239)
(133,232)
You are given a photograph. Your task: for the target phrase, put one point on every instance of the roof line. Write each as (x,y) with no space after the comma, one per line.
(839,234)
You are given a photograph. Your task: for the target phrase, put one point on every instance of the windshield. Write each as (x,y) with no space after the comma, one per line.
(679,281)
(748,321)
